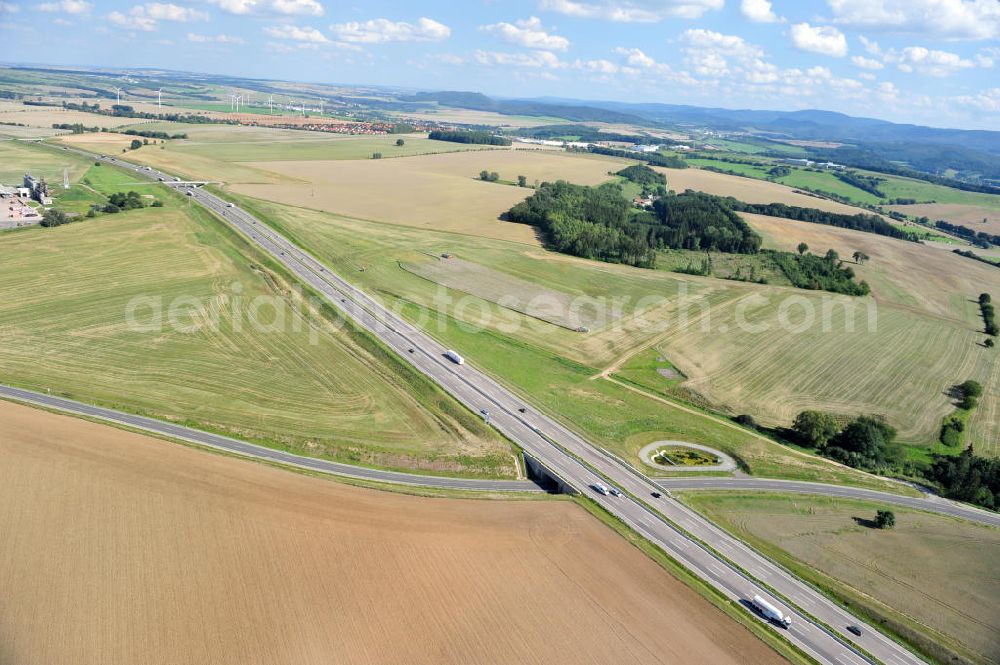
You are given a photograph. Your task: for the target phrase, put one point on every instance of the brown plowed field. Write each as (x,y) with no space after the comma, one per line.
(119,548)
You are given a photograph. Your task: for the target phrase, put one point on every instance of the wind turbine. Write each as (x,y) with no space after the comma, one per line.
(159,99)
(270,104)
(118,91)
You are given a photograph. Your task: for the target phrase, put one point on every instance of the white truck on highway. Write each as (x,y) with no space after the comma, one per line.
(770,612)
(454,357)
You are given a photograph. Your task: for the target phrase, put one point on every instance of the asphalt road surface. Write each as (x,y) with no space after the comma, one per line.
(928,502)
(819,626)
(260,452)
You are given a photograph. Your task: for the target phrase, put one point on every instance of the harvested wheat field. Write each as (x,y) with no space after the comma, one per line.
(956,213)
(928,277)
(440,192)
(120,548)
(46,116)
(749,190)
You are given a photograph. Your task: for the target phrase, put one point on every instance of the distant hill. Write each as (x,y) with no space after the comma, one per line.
(480,102)
(872,143)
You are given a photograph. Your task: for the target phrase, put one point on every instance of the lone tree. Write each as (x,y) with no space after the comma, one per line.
(136,144)
(803,248)
(522,181)
(832,256)
(988,343)
(376,155)
(984,299)
(400,143)
(815,428)
(860,257)
(885,519)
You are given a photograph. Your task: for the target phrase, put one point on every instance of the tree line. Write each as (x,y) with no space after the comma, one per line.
(989,315)
(860,222)
(976,257)
(980,238)
(868,442)
(651,158)
(464,136)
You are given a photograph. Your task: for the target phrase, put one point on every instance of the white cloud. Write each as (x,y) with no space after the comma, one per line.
(214,39)
(531,60)
(132,21)
(528,33)
(605,67)
(9,8)
(987,100)
(296,34)
(871,46)
(288,7)
(638,11)
(636,58)
(297,7)
(380,31)
(145,17)
(161,11)
(759,11)
(66,6)
(930,62)
(958,19)
(823,39)
(700,38)
(866,63)
(708,53)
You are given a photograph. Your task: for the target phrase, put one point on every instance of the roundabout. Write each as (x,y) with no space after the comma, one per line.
(683,456)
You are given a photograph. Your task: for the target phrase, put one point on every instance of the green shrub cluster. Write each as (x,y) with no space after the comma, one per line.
(463,136)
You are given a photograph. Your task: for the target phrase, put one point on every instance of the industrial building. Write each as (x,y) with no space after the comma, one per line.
(38,189)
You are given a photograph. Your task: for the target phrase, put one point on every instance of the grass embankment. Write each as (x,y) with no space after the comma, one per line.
(928,581)
(275,371)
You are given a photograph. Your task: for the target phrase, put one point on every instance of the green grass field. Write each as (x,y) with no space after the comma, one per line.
(824,181)
(894,187)
(19,157)
(930,580)
(272,369)
(552,366)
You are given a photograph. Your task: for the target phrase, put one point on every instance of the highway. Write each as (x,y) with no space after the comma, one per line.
(927,502)
(818,625)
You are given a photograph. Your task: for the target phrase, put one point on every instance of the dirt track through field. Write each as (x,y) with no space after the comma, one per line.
(119,548)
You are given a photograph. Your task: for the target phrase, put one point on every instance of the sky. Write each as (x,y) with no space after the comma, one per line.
(934,62)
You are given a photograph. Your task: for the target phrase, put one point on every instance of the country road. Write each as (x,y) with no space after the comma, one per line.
(927,502)
(819,626)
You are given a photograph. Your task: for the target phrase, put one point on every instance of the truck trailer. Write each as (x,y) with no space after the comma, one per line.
(454,357)
(770,612)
